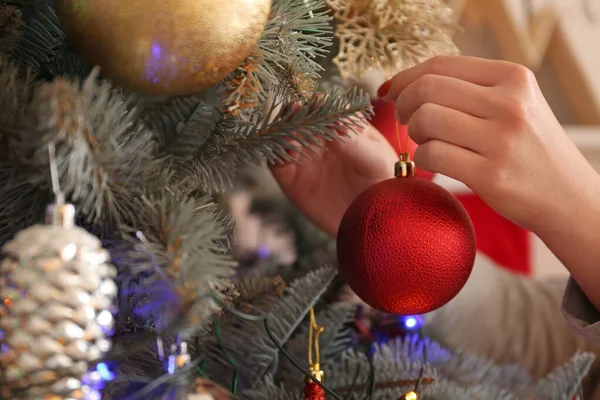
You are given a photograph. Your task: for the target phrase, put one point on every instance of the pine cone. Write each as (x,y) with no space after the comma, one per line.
(57,291)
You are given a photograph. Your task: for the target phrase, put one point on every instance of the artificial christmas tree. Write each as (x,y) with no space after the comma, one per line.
(146,173)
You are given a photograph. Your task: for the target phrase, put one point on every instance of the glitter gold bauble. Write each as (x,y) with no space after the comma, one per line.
(164,47)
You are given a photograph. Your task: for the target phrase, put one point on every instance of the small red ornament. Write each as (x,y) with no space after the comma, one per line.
(406,245)
(312,391)
(384,120)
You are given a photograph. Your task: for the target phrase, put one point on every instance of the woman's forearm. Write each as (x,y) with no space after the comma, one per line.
(572,233)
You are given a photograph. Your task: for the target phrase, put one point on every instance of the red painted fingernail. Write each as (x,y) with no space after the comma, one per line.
(384,89)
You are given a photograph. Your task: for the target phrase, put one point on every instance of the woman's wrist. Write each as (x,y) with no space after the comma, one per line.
(575,210)
(572,232)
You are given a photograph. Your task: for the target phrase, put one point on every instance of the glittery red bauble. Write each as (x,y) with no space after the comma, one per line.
(312,391)
(406,246)
(384,120)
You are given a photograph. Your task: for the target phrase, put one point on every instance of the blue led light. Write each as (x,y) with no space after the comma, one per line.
(105,372)
(412,322)
(171,365)
(93,395)
(263,252)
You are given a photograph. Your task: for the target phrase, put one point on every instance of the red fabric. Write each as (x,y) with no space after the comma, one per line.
(504,242)
(384,119)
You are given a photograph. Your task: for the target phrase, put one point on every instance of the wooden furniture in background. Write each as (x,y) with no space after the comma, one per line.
(542,39)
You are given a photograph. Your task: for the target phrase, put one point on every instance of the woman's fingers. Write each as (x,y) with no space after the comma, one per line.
(435,122)
(445,91)
(451,160)
(475,70)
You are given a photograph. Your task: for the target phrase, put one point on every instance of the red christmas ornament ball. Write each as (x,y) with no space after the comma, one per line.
(406,246)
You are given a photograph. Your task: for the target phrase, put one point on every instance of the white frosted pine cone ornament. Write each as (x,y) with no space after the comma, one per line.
(57,292)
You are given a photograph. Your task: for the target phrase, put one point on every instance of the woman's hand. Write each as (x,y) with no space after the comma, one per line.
(324,187)
(487,124)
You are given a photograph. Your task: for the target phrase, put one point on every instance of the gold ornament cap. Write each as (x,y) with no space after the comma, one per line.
(405,167)
(61,215)
(316,372)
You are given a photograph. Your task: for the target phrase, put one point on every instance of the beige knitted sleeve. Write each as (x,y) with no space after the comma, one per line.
(580,313)
(512,319)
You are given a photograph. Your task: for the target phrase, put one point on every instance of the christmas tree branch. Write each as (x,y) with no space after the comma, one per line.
(11,19)
(244,89)
(67,64)
(40,35)
(23,203)
(565,382)
(269,390)
(102,149)
(459,367)
(14,96)
(257,294)
(464,368)
(186,237)
(449,390)
(297,34)
(398,363)
(267,136)
(334,341)
(183,125)
(397,375)
(248,344)
(22,198)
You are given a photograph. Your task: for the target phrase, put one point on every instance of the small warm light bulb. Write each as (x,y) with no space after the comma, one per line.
(411,396)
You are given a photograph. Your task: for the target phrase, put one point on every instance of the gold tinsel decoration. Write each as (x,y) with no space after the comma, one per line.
(390,35)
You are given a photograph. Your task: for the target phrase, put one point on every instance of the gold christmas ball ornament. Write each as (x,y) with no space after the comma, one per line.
(164,47)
